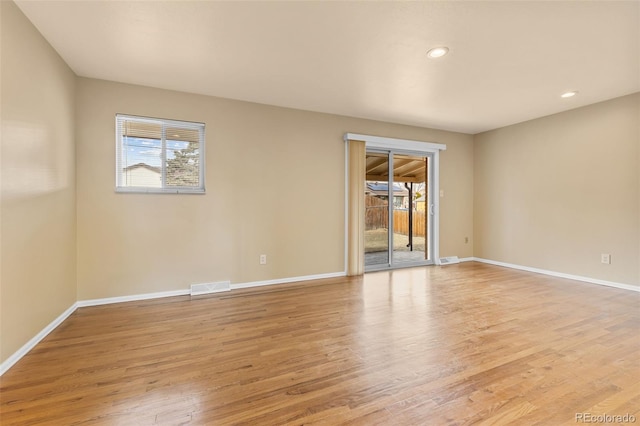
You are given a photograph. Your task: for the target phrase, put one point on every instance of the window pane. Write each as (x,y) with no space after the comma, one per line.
(183,163)
(140,162)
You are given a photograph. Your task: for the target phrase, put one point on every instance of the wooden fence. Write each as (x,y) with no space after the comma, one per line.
(377,216)
(401,222)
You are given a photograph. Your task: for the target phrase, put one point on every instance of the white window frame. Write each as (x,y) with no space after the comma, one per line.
(163,165)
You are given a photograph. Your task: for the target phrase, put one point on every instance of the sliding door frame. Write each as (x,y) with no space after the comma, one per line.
(403,146)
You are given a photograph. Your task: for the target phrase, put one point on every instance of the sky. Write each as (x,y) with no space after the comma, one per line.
(148,151)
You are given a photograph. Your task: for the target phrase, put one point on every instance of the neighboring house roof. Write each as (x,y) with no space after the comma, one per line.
(382,188)
(142,165)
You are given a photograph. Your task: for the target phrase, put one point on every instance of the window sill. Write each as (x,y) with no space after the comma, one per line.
(133,190)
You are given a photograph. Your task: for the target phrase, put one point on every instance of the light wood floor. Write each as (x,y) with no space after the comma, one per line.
(454,345)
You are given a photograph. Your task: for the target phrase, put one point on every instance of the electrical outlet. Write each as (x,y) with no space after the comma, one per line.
(605,258)
(263,259)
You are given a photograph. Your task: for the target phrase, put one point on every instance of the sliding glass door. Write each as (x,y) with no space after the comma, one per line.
(377,238)
(398,209)
(410,209)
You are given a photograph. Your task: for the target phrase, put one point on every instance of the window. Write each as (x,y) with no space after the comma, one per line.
(155,155)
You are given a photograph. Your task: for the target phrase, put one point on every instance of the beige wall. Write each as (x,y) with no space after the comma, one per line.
(556,192)
(275,185)
(38,226)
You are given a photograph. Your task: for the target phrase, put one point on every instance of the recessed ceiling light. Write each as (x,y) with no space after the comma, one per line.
(438,52)
(569,94)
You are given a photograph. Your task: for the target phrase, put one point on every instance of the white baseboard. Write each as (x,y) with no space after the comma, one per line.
(17,355)
(288,280)
(558,274)
(467,259)
(186,292)
(132,298)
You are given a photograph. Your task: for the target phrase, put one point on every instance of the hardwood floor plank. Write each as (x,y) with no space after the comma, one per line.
(457,345)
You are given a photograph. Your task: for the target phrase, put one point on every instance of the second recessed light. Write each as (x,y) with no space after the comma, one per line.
(438,52)
(569,94)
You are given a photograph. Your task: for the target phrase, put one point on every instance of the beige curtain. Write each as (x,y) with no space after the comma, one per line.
(355,237)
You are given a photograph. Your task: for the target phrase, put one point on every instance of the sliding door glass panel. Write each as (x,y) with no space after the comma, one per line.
(376,201)
(410,209)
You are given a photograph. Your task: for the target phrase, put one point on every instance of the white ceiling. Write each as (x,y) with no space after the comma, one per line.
(508,61)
